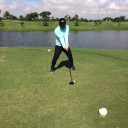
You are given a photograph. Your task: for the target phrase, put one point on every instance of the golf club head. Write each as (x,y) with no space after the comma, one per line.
(72,83)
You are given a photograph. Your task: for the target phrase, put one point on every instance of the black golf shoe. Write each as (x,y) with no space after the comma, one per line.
(73,68)
(52,70)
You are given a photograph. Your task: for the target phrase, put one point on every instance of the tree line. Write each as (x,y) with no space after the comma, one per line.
(34,16)
(45,16)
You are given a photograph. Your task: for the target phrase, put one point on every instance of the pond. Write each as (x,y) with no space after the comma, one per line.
(77,39)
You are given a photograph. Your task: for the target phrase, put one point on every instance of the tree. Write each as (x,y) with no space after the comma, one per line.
(86,20)
(1,22)
(13,17)
(28,17)
(67,17)
(7,15)
(53,18)
(107,19)
(0,17)
(75,18)
(34,15)
(45,17)
(21,18)
(122,18)
(57,19)
(82,19)
(100,22)
(119,19)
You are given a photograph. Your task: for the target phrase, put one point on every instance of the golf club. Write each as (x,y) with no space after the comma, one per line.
(72,82)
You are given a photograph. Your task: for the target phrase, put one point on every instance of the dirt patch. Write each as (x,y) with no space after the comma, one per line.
(2,58)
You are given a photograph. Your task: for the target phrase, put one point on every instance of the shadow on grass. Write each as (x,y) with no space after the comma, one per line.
(62,64)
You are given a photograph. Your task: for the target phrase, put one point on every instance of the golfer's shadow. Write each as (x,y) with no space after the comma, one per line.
(62,64)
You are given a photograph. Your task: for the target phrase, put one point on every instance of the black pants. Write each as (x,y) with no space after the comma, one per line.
(58,50)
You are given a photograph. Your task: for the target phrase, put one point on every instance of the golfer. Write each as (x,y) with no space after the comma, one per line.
(62,44)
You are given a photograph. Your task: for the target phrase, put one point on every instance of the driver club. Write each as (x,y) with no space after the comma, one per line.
(72,82)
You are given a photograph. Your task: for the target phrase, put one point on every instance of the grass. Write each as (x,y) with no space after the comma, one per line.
(14,25)
(31,97)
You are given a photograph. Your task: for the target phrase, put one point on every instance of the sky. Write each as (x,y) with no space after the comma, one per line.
(90,9)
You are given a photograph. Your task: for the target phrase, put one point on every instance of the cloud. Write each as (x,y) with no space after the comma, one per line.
(27,9)
(13,5)
(113,6)
(126,2)
(1,4)
(103,2)
(60,8)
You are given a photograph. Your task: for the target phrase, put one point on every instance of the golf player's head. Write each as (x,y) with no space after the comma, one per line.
(62,23)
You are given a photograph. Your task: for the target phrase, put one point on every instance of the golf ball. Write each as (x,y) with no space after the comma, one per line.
(103,112)
(49,50)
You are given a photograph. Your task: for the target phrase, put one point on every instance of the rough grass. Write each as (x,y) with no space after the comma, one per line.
(14,25)
(31,97)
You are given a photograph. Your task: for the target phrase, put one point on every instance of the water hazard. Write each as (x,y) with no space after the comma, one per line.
(77,39)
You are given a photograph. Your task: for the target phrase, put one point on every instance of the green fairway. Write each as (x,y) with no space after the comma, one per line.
(14,25)
(31,97)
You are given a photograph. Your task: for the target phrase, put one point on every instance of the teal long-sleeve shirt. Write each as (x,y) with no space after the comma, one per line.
(62,36)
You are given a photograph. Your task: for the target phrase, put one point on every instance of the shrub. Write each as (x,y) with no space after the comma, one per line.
(76,23)
(22,23)
(45,23)
(96,23)
(1,23)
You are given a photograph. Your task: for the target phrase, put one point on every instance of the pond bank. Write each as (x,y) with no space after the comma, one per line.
(14,25)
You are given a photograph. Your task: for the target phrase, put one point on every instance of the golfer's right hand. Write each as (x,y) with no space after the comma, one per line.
(66,49)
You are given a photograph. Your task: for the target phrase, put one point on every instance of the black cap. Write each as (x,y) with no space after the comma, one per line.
(62,22)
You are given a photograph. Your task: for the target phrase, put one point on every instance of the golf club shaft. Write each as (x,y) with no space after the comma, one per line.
(69,66)
(70,74)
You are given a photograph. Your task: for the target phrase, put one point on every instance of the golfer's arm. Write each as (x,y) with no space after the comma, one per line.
(62,42)
(66,35)
(66,39)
